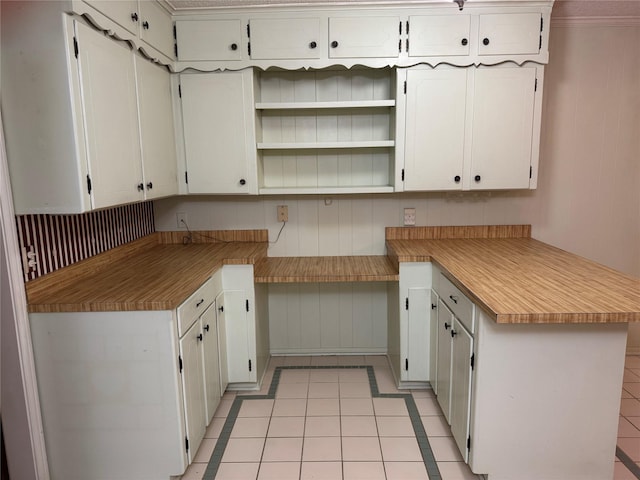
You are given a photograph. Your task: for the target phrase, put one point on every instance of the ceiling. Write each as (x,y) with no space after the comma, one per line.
(561,8)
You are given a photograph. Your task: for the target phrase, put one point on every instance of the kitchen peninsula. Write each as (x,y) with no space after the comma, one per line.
(547,328)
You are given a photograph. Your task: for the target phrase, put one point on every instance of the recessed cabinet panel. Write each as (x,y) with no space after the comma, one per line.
(439,35)
(503,112)
(200,40)
(123,12)
(419,333)
(110,107)
(461,352)
(156,27)
(433,339)
(435,128)
(285,38)
(443,377)
(364,37)
(509,34)
(211,373)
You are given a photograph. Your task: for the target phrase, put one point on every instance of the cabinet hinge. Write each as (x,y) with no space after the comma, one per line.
(405,87)
(249,48)
(407,27)
(406,303)
(180,363)
(249,364)
(186,177)
(535,85)
(88,184)
(473,360)
(186,444)
(407,45)
(180,90)
(75,46)
(400,46)
(175,32)
(175,49)
(530,171)
(403,174)
(401,28)
(406,364)
(541,23)
(248,31)
(246,304)
(469,442)
(540,44)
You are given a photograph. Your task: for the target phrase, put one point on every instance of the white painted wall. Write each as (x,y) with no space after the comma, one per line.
(588,196)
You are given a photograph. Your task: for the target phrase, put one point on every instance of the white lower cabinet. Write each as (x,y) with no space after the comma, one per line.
(443,375)
(460,401)
(211,361)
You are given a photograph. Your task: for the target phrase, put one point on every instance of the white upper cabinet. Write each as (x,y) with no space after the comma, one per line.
(439,35)
(510,34)
(364,36)
(125,12)
(156,27)
(285,38)
(201,40)
(219,132)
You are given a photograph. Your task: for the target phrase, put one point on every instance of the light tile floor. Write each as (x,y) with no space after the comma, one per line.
(325,424)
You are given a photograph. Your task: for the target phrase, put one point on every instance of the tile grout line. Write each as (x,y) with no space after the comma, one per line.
(433,472)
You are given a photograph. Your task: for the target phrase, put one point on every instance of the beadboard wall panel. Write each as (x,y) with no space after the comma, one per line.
(61,240)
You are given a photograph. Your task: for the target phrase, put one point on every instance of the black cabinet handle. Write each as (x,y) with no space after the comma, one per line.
(243,181)
(140,187)
(433,306)
(313,45)
(477,178)
(456,179)
(334,44)
(234,46)
(454,299)
(134,17)
(453,333)
(145,25)
(221,308)
(464,42)
(485,41)
(446,326)
(206,327)
(149,185)
(200,303)
(199,337)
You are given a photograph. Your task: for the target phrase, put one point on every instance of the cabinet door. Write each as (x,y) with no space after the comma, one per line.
(352,37)
(443,377)
(461,354)
(417,362)
(509,34)
(193,387)
(200,40)
(219,132)
(110,108)
(222,343)
(435,128)
(502,128)
(124,12)
(439,35)
(284,38)
(211,362)
(156,27)
(157,135)
(433,342)
(240,354)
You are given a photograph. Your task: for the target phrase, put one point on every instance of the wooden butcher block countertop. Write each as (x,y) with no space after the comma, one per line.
(152,273)
(522,280)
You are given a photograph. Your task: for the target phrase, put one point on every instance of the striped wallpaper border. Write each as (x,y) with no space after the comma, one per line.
(62,240)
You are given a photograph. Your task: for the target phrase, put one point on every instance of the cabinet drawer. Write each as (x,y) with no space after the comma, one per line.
(285,38)
(195,305)
(459,304)
(200,40)
(365,37)
(509,34)
(439,35)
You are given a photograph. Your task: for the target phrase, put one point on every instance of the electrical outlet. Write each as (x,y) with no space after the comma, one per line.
(29,259)
(181,220)
(409,216)
(283,213)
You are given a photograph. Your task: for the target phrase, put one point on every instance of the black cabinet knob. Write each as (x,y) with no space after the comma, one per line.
(446,326)
(134,17)
(234,46)
(199,337)
(149,186)
(334,44)
(313,45)
(433,306)
(243,181)
(140,187)
(453,333)
(145,25)
(464,42)
(456,179)
(485,41)
(477,178)
(221,308)
(206,328)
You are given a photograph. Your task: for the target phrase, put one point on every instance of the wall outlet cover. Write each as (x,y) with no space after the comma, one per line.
(409,217)
(283,213)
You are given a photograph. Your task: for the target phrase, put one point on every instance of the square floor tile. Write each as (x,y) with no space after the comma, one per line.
(322,427)
(223,408)
(632,361)
(400,449)
(351,360)
(436,426)
(243,450)
(321,449)
(626,428)
(289,407)
(630,407)
(353,375)
(326,390)
(215,427)
(445,449)
(298,361)
(630,446)
(629,376)
(620,472)
(247,427)
(236,471)
(633,389)
(363,471)
(323,407)
(194,472)
(279,471)
(286,427)
(323,375)
(390,407)
(376,360)
(395,427)
(256,408)
(203,455)
(294,376)
(406,471)
(428,406)
(356,406)
(292,390)
(457,471)
(356,390)
(282,450)
(321,471)
(359,426)
(361,449)
(320,360)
